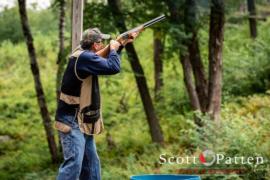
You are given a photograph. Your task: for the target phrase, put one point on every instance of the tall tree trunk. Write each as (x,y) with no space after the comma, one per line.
(38,86)
(153,122)
(61,53)
(158,65)
(185,59)
(252,18)
(198,71)
(188,79)
(194,52)
(174,11)
(216,34)
(155,129)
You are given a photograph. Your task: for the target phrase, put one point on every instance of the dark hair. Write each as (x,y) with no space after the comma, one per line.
(86,44)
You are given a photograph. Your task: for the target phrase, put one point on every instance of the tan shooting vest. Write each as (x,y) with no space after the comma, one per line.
(84,100)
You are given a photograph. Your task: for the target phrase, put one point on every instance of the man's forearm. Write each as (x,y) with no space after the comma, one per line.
(104,52)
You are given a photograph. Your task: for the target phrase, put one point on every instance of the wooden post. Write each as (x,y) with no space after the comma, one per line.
(77,22)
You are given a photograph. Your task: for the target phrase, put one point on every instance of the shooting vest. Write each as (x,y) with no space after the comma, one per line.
(89,112)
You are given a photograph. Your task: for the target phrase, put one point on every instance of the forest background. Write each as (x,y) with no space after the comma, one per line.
(160,102)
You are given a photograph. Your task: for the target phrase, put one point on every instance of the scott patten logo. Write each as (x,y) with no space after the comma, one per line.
(207,157)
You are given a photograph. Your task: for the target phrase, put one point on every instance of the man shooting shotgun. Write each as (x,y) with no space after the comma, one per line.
(78,115)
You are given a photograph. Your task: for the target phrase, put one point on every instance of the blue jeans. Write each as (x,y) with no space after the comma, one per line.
(81,160)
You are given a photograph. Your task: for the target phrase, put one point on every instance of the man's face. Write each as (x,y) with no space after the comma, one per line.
(98,46)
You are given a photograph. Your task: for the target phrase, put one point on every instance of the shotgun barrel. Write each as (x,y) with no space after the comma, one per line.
(126,34)
(153,21)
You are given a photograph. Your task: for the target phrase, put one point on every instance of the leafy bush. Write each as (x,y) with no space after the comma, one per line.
(243,131)
(246,62)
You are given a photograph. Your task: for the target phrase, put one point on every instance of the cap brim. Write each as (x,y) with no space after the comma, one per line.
(105,36)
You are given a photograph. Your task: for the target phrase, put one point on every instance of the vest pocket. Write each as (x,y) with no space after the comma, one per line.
(90,115)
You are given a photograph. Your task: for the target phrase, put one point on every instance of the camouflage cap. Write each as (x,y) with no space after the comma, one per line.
(94,35)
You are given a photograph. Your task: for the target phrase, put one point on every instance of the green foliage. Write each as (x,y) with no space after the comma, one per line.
(98,15)
(245,61)
(11,27)
(134,12)
(243,131)
(20,119)
(246,70)
(43,22)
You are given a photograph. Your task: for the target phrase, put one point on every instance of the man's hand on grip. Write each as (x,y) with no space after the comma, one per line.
(131,38)
(114,45)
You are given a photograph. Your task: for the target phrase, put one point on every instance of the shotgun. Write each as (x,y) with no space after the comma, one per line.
(126,35)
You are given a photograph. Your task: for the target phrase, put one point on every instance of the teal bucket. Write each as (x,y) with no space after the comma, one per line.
(165,177)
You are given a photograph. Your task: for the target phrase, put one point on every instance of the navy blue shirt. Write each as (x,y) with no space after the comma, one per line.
(88,63)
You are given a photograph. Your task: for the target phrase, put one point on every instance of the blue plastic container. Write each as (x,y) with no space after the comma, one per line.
(165,177)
